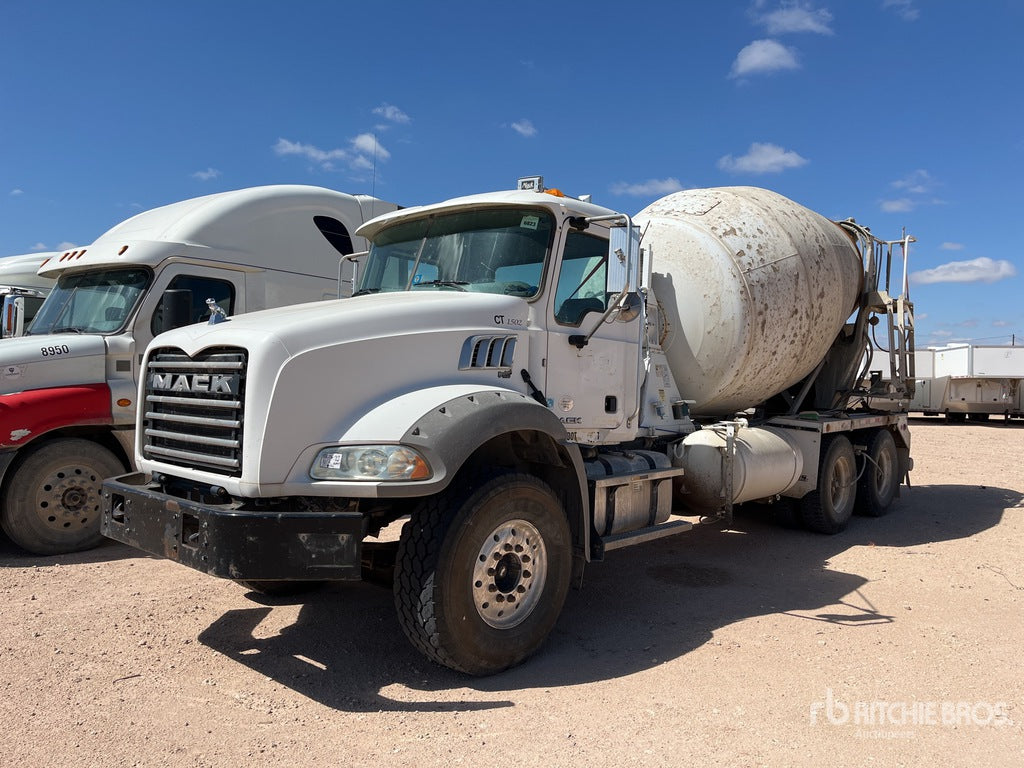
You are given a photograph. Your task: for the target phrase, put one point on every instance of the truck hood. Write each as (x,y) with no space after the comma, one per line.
(57,360)
(314,371)
(308,326)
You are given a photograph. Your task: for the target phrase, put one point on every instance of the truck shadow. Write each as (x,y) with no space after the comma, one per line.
(641,607)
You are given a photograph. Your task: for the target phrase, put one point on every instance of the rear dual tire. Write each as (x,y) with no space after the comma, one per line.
(828,508)
(880,477)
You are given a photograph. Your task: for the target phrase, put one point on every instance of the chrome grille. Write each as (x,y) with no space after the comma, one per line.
(194,409)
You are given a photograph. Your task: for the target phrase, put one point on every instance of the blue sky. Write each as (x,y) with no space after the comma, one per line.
(900,113)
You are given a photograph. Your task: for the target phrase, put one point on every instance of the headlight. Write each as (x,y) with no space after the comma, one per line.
(370,462)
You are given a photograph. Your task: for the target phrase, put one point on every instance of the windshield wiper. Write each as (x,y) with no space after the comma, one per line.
(66,329)
(445,283)
(364,291)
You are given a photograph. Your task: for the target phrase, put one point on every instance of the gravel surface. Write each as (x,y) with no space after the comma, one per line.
(896,642)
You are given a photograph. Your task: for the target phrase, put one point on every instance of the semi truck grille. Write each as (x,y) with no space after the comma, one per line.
(194,409)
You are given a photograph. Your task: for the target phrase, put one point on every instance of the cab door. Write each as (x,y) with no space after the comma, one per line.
(124,351)
(593,386)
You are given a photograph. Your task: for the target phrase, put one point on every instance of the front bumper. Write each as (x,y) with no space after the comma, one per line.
(224,541)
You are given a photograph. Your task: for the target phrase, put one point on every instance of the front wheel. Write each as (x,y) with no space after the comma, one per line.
(52,501)
(828,508)
(481,576)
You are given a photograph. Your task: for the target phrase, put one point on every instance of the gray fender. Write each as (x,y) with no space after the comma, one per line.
(450,434)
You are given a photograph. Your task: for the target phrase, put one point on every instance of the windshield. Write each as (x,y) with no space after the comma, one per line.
(485,251)
(91,302)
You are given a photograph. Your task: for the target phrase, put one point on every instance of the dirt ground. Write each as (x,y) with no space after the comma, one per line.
(897,642)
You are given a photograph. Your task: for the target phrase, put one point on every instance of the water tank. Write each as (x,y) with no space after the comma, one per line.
(753,289)
(767,461)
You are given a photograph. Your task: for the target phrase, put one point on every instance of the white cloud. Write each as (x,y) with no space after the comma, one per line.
(209,173)
(361,163)
(1000,323)
(915,189)
(917,182)
(980,270)
(41,247)
(951,246)
(763,56)
(366,150)
(900,205)
(903,8)
(647,188)
(797,16)
(762,158)
(524,128)
(367,144)
(16,192)
(319,156)
(392,113)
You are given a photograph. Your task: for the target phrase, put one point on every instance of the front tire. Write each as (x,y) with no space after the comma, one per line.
(828,508)
(51,504)
(481,575)
(881,476)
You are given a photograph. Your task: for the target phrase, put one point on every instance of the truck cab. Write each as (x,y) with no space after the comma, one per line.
(22,292)
(68,386)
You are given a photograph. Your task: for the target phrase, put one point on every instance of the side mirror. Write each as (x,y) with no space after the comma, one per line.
(175,309)
(13,317)
(623,259)
(348,274)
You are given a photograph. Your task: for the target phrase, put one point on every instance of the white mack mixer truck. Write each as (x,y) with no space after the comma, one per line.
(67,388)
(529,381)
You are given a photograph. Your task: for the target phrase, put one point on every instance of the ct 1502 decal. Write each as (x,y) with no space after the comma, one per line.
(55,350)
(503,320)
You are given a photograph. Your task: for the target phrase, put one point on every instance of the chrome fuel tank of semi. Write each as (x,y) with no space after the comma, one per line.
(753,289)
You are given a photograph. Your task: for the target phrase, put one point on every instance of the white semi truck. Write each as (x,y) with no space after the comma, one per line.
(22,291)
(528,389)
(68,387)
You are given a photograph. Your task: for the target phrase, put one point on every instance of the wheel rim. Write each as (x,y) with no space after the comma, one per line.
(68,499)
(509,574)
(841,486)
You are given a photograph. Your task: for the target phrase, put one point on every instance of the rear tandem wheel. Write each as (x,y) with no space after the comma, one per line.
(828,508)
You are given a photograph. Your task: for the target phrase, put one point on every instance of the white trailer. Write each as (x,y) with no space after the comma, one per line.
(528,389)
(68,388)
(971,382)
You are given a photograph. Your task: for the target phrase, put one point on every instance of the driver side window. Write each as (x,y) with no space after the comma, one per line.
(202,288)
(582,278)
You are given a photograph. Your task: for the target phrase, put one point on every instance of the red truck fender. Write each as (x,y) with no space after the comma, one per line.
(24,416)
